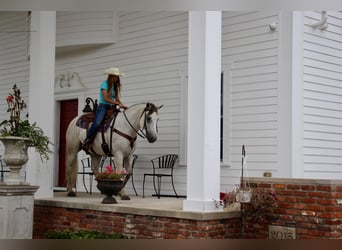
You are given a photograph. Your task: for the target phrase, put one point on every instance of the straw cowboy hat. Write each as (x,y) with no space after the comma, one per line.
(114,71)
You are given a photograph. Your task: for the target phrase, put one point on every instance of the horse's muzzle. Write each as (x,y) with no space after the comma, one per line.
(151,139)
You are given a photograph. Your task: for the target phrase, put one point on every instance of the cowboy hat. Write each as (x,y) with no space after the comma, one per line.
(114,71)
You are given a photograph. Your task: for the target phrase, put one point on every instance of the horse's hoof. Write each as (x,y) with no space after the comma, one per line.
(125,198)
(71,194)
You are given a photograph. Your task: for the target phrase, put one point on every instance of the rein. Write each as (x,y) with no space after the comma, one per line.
(108,149)
(142,135)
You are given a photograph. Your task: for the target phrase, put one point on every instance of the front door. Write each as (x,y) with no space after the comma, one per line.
(69,109)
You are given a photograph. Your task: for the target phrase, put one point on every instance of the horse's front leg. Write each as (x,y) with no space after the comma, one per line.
(118,160)
(127,163)
(95,162)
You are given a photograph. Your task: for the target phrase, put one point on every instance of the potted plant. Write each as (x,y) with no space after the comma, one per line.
(17,135)
(110,182)
(261,206)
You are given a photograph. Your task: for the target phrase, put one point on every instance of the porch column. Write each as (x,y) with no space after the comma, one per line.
(41,96)
(204,72)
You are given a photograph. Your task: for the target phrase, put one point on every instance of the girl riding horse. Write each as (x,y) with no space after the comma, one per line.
(109,97)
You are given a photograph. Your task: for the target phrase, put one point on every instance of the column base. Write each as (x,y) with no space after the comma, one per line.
(16,211)
(201,206)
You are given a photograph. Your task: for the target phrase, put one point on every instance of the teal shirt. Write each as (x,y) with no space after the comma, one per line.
(104,85)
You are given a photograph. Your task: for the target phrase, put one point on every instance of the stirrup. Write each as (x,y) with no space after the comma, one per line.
(86,146)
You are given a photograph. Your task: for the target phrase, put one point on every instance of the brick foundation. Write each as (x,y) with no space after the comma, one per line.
(48,219)
(312,207)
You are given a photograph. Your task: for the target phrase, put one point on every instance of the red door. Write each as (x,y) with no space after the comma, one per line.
(69,109)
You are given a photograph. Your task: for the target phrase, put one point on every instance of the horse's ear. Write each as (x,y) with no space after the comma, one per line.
(148,105)
(161,106)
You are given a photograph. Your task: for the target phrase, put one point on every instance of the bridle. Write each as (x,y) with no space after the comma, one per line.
(108,149)
(139,132)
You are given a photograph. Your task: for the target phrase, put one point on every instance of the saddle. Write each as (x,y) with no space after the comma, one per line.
(85,120)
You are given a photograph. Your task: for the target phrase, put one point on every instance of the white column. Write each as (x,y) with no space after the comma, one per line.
(297,108)
(41,95)
(285,94)
(203,168)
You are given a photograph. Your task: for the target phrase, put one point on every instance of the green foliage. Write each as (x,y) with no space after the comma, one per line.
(81,234)
(23,128)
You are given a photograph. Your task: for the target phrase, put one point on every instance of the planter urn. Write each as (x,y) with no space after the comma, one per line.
(15,156)
(110,187)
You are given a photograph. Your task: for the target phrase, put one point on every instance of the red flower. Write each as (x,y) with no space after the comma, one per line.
(10,98)
(109,168)
(111,173)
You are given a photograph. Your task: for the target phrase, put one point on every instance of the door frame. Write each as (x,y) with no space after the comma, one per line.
(68,85)
(81,100)
(64,115)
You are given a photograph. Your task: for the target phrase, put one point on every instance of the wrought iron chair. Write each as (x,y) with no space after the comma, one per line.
(2,170)
(162,167)
(86,170)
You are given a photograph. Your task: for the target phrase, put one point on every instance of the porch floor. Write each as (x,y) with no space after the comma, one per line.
(149,206)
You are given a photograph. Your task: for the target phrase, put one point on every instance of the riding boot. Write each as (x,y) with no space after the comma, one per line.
(86,145)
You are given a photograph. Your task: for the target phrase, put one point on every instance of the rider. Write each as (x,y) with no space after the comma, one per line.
(109,97)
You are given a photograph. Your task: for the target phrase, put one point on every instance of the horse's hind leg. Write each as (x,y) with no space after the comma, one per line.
(71,173)
(71,168)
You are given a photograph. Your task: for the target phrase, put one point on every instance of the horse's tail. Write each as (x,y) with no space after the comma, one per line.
(73,146)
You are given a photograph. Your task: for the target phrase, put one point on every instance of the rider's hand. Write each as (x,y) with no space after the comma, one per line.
(123,106)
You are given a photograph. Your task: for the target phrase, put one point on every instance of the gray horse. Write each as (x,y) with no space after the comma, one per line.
(128,124)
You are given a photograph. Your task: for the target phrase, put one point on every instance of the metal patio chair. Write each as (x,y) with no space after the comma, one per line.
(86,170)
(3,169)
(162,167)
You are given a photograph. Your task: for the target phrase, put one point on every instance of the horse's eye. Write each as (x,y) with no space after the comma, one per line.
(149,119)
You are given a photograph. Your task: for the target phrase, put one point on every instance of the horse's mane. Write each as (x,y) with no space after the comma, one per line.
(137,104)
(152,109)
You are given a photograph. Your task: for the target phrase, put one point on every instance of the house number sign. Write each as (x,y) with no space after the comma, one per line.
(279,232)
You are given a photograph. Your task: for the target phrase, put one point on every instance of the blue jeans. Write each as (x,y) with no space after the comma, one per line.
(99,116)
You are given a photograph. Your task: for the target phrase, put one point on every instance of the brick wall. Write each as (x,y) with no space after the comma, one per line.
(312,207)
(49,218)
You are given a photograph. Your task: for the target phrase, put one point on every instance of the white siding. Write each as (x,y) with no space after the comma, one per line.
(14,66)
(250,55)
(94,27)
(151,50)
(322,85)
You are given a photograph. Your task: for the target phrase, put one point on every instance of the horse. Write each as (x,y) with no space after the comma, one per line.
(122,137)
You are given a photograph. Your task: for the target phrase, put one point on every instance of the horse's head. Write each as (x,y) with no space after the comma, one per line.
(150,120)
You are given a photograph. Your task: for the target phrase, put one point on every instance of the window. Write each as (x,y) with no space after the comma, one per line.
(221,118)
(28,34)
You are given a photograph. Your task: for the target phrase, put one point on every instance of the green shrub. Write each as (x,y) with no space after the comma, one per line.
(81,234)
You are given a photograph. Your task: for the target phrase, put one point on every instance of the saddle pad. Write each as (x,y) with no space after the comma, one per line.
(86,119)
